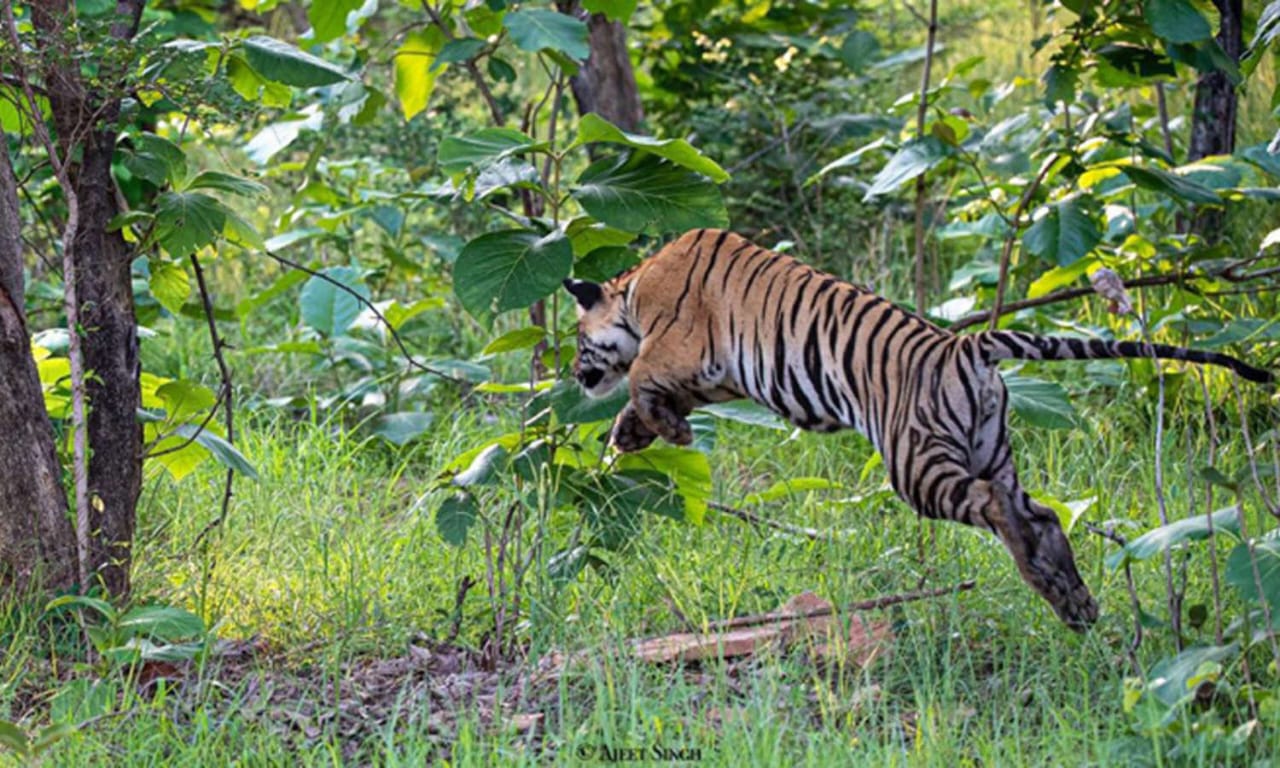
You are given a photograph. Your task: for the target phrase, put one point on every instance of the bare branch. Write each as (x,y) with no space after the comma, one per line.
(395,336)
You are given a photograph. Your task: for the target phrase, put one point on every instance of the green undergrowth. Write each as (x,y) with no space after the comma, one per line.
(332,559)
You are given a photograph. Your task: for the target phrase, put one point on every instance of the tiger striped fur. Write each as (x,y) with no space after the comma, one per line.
(712,317)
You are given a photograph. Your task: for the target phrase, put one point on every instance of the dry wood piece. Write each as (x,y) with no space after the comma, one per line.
(830,634)
(805,618)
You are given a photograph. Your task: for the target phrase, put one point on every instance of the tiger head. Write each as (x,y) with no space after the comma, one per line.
(607,340)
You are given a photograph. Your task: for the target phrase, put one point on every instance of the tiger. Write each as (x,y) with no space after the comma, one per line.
(713,317)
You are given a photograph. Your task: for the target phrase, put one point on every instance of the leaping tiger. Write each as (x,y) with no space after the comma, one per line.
(713,317)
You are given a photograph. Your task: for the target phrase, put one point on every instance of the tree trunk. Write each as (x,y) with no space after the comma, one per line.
(37,542)
(86,124)
(606,84)
(1213,121)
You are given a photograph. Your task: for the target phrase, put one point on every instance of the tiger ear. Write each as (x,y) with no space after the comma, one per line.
(586,292)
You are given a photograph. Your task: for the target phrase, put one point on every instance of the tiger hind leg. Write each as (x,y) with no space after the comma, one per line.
(1029,531)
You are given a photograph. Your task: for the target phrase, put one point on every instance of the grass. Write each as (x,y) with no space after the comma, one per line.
(328,560)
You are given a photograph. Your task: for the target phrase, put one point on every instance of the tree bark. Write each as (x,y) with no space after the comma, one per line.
(37,542)
(606,84)
(1213,120)
(86,123)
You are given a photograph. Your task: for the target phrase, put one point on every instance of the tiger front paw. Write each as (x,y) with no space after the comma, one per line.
(630,433)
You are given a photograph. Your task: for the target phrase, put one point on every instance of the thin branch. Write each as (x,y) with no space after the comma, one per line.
(495,112)
(922,111)
(395,335)
(1006,255)
(1229,273)
(757,520)
(861,605)
(225,393)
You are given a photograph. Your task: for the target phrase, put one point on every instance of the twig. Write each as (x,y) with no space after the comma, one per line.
(495,111)
(758,520)
(1107,533)
(395,336)
(922,111)
(1006,255)
(862,605)
(225,393)
(1229,273)
(1208,510)
(71,304)
(455,625)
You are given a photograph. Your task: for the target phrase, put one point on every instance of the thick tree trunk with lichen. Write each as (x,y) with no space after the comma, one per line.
(1213,120)
(86,123)
(37,542)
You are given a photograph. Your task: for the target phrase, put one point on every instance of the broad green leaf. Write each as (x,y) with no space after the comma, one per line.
(328,309)
(1170,183)
(745,412)
(783,488)
(279,61)
(226,453)
(14,739)
(161,622)
(536,29)
(458,50)
(586,234)
(613,10)
(483,468)
(402,428)
(170,285)
(188,221)
(1068,512)
(1239,573)
(279,287)
(1159,539)
(859,50)
(226,182)
(1060,82)
(520,338)
(647,193)
(415,75)
(455,517)
(185,398)
(155,159)
(1124,65)
(292,237)
(102,607)
(572,406)
(1065,234)
(846,161)
(690,470)
(266,143)
(913,159)
(14,120)
(237,231)
(1059,277)
(458,154)
(604,263)
(1176,20)
(1267,30)
(1041,403)
(329,17)
(177,454)
(1171,678)
(398,314)
(593,128)
(508,270)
